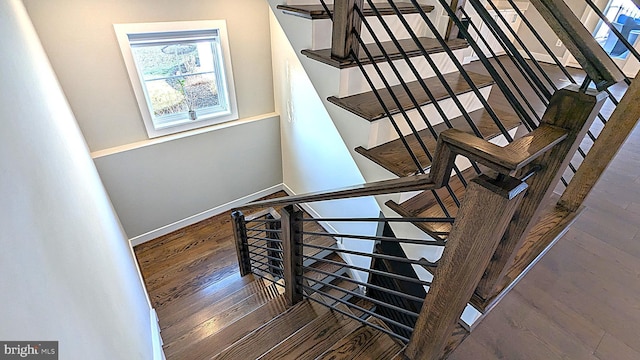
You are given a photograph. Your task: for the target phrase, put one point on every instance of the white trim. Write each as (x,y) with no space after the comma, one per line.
(203,215)
(153,130)
(159,140)
(156,337)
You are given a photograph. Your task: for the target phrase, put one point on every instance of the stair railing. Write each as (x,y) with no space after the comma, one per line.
(493,214)
(348,43)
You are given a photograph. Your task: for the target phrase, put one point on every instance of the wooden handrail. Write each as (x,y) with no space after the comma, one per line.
(509,158)
(579,41)
(569,108)
(411,183)
(451,143)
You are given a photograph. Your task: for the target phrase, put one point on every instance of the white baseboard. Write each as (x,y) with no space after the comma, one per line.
(156,337)
(153,234)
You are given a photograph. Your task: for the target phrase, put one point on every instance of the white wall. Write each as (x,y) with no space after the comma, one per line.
(314,155)
(550,38)
(159,184)
(68,272)
(154,184)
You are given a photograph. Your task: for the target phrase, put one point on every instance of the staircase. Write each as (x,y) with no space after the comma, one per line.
(448,153)
(271,330)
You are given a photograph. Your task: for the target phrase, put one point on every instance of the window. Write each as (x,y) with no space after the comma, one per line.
(180,72)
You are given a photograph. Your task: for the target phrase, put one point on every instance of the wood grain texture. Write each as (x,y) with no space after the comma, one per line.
(425,205)
(408,46)
(186,336)
(569,109)
(364,343)
(580,300)
(622,121)
(346,28)
(314,338)
(229,335)
(317,11)
(256,343)
(394,157)
(470,246)
(510,158)
(367,106)
(554,222)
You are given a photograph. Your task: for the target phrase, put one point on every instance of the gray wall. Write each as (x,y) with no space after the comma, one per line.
(68,272)
(160,182)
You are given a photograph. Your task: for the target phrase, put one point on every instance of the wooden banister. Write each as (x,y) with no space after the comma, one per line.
(509,158)
(486,210)
(346,28)
(575,111)
(411,183)
(622,121)
(579,41)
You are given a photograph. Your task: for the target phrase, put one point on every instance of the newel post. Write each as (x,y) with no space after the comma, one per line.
(346,28)
(485,212)
(571,109)
(242,245)
(292,251)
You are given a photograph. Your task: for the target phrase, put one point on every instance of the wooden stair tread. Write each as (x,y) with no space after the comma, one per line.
(409,46)
(363,303)
(259,341)
(553,223)
(337,293)
(394,157)
(425,205)
(364,343)
(368,107)
(195,302)
(324,266)
(236,331)
(315,12)
(314,338)
(324,241)
(209,310)
(209,326)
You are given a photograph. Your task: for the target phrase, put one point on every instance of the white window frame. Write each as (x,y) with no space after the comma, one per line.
(123,31)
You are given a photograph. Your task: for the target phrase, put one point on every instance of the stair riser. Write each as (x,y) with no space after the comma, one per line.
(322,30)
(382,131)
(352,81)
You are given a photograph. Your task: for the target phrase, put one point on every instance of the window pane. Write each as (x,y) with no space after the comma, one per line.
(201,91)
(166,97)
(164,60)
